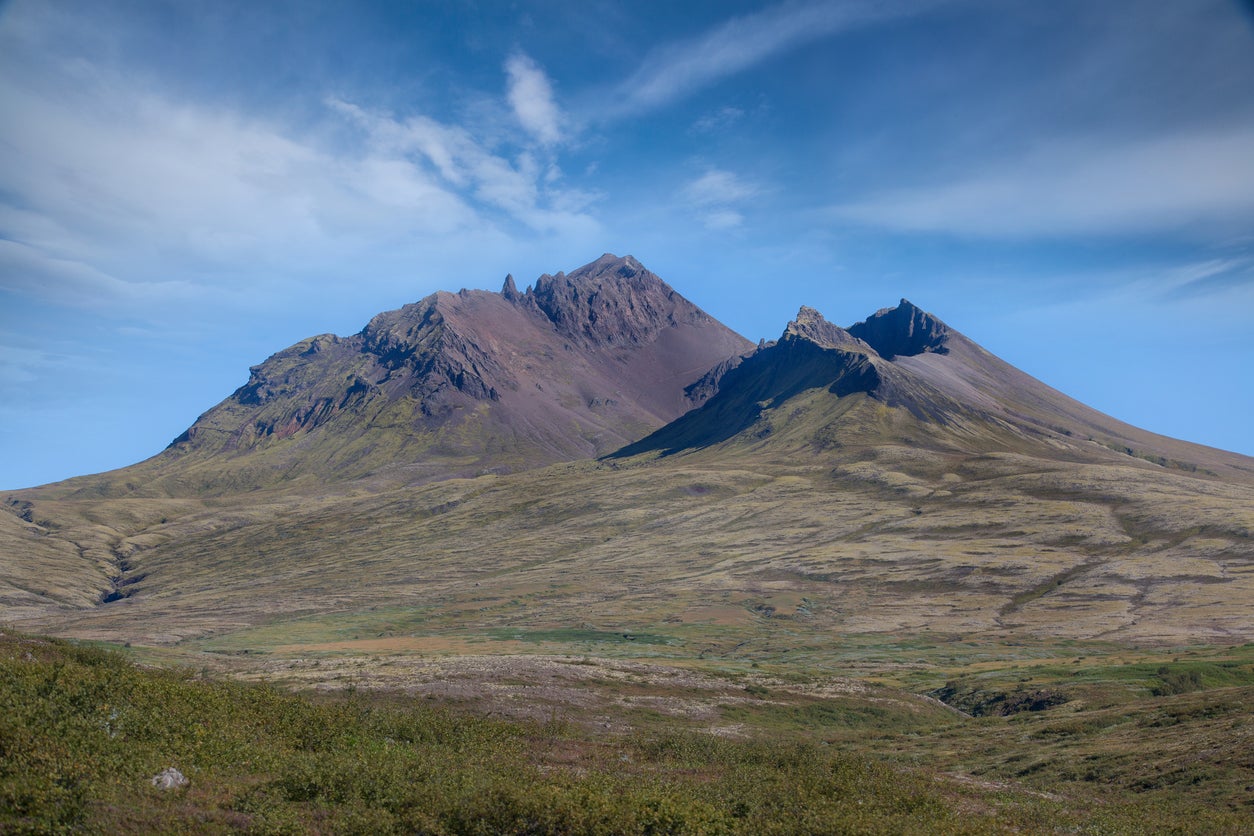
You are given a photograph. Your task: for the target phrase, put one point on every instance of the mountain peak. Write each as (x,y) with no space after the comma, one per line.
(808,314)
(609,263)
(612,301)
(903,331)
(461,383)
(812,326)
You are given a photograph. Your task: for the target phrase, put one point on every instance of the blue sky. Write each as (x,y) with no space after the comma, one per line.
(188,187)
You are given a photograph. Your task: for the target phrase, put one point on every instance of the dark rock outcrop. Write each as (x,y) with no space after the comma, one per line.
(903,331)
(510,290)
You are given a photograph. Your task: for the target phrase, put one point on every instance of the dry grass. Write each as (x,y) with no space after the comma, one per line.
(725,557)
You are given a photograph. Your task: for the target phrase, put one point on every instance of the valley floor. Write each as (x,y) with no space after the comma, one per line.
(1032,738)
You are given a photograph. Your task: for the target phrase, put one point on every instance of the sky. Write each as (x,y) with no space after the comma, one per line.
(188,187)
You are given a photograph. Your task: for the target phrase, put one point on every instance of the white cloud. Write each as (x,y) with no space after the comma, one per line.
(531,96)
(1213,276)
(722,219)
(523,189)
(108,177)
(1194,182)
(112,193)
(680,68)
(717,186)
(714,196)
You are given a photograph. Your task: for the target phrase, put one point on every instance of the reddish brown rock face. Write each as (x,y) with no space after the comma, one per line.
(459,383)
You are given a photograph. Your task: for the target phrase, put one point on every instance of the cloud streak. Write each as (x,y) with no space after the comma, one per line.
(20,366)
(681,68)
(1215,276)
(31,271)
(1200,183)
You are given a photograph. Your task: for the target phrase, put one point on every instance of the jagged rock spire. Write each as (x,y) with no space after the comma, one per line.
(510,290)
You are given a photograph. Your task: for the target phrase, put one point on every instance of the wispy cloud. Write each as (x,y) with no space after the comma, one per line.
(112,192)
(719,120)
(531,96)
(19,366)
(716,195)
(678,69)
(1209,277)
(521,187)
(1199,182)
(717,186)
(105,175)
(31,271)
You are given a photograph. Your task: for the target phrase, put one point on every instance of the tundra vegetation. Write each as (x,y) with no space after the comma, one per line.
(83,730)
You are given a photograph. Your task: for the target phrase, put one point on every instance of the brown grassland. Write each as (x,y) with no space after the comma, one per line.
(884,637)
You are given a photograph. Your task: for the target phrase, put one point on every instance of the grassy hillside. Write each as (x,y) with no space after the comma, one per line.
(715,555)
(82,731)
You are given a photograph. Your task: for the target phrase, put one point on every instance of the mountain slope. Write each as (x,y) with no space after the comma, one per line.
(455,385)
(902,376)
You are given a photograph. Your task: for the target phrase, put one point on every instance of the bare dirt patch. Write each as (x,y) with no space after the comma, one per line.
(617,694)
(397,644)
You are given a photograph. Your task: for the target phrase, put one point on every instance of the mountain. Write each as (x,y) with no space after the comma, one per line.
(457,384)
(589,503)
(433,483)
(902,376)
